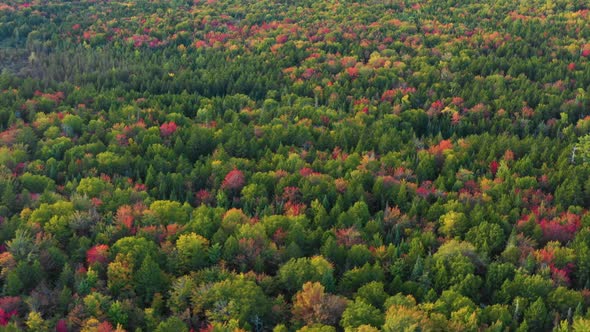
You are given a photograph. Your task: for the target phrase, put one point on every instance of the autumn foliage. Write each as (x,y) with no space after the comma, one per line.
(307,165)
(234,180)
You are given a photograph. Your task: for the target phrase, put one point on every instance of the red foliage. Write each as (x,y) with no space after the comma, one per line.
(10,303)
(389,95)
(125,216)
(442,146)
(306,171)
(427,189)
(571,66)
(534,197)
(122,139)
(168,128)
(200,44)
(348,237)
(353,72)
(234,180)
(98,253)
(208,328)
(494,167)
(279,236)
(5,316)
(8,137)
(61,326)
(203,196)
(308,73)
(559,272)
(96,201)
(562,228)
(561,276)
(338,154)
(508,155)
(455,118)
(457,101)
(294,209)
(281,39)
(341,185)
(291,194)
(105,327)
(436,107)
(402,173)
(527,111)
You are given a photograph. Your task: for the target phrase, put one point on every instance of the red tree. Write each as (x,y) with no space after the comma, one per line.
(5,316)
(168,128)
(61,326)
(494,167)
(98,253)
(234,180)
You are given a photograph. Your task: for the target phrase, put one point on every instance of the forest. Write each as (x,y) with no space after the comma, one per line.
(282,165)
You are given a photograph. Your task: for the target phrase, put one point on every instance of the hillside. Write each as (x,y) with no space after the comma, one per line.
(327,165)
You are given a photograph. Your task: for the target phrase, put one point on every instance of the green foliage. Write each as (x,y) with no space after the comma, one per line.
(192,249)
(360,313)
(172,324)
(239,299)
(169,212)
(297,271)
(373,293)
(36,183)
(149,280)
(331,152)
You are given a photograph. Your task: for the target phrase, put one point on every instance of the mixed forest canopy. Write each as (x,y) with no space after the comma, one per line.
(325,165)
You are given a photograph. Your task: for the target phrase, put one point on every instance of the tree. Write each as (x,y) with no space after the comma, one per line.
(353,279)
(168,128)
(93,187)
(136,247)
(193,251)
(36,323)
(488,238)
(359,313)
(233,181)
(401,318)
(149,280)
(97,254)
(117,314)
(297,271)
(237,298)
(536,315)
(180,294)
(313,306)
(36,183)
(120,275)
(373,293)
(172,324)
(170,212)
(453,224)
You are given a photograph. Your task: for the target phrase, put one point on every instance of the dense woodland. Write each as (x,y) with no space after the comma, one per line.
(325,165)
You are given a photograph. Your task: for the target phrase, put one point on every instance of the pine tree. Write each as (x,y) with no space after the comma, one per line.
(149,280)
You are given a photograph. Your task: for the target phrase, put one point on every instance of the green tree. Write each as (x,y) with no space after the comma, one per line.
(173,323)
(149,280)
(360,313)
(193,251)
(297,271)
